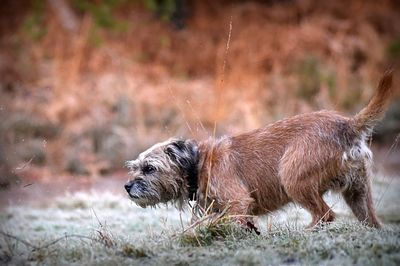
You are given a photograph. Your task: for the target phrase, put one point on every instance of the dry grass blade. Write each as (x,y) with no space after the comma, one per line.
(103,234)
(47,245)
(392,147)
(22,167)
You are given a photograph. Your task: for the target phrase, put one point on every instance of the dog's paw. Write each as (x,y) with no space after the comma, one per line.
(252,228)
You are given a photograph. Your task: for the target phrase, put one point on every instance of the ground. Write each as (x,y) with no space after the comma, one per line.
(97,226)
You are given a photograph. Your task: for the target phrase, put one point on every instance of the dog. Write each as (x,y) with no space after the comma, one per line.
(296,159)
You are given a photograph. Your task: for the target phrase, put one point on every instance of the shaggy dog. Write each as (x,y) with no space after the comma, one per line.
(296,159)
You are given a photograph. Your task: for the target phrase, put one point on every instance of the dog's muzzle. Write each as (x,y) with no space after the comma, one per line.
(140,193)
(134,188)
(128,186)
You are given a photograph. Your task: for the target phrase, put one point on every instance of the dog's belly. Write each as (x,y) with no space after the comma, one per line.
(265,207)
(269,195)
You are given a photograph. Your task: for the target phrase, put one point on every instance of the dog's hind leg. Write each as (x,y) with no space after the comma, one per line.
(358,197)
(302,179)
(311,200)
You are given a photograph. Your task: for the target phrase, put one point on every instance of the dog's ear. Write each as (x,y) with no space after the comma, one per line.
(183,152)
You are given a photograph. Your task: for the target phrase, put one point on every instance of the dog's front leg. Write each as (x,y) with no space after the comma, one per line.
(239,212)
(230,196)
(236,201)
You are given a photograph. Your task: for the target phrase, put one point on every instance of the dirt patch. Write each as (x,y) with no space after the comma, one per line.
(30,190)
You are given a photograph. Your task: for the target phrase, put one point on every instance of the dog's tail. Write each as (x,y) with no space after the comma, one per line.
(366,119)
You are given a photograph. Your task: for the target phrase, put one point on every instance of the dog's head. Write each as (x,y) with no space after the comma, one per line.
(163,173)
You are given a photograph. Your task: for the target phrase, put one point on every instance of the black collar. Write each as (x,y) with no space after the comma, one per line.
(192,177)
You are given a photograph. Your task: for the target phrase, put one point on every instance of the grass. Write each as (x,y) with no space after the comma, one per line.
(210,230)
(101,228)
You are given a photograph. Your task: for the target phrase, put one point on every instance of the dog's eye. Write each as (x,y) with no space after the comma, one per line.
(148,169)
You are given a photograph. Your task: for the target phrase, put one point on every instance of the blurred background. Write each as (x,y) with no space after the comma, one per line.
(86,85)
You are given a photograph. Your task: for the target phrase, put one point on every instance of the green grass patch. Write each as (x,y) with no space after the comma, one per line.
(207,234)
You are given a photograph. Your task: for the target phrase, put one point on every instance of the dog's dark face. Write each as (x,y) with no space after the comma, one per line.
(160,173)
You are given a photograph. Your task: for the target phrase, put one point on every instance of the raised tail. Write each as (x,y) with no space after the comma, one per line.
(366,119)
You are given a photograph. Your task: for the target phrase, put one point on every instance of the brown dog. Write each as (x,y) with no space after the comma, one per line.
(293,160)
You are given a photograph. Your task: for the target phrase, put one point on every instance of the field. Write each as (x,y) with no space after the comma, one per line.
(81,94)
(99,227)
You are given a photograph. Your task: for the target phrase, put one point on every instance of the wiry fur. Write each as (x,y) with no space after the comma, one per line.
(173,161)
(292,160)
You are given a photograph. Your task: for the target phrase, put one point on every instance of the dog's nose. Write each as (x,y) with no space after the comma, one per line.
(128,186)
